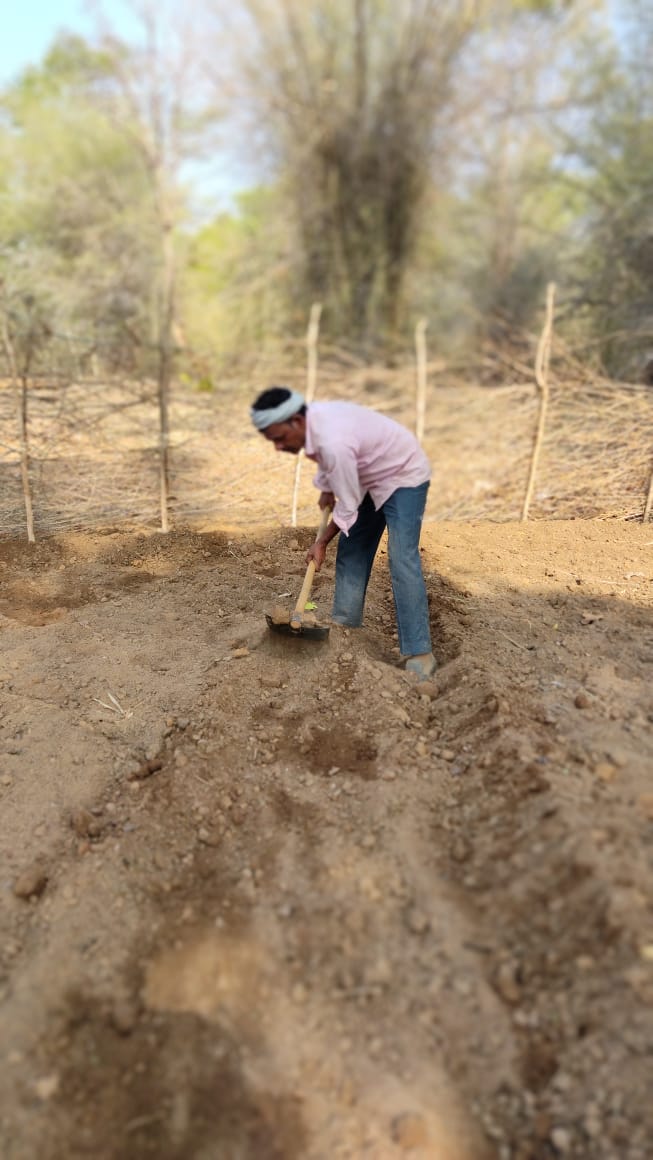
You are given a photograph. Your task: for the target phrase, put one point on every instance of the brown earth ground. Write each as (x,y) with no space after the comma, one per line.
(266,898)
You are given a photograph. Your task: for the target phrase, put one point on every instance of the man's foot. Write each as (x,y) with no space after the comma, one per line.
(423,666)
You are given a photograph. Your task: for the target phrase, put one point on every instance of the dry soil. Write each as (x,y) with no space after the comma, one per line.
(267,898)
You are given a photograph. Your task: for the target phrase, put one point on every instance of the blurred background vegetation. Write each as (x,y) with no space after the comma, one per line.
(173,203)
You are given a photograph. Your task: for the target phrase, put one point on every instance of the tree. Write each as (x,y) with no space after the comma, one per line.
(614,161)
(155,100)
(72,233)
(105,197)
(237,283)
(514,221)
(355,96)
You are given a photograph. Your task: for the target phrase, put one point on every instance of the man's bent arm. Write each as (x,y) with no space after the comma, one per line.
(317,551)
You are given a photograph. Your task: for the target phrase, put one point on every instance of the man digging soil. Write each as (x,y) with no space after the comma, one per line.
(374,475)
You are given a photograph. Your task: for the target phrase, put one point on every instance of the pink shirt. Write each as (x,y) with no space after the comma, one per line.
(357,451)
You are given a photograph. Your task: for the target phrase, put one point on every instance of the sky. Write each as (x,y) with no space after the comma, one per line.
(27,30)
(28,27)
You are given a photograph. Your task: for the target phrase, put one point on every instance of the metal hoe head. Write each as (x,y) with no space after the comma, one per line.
(300,623)
(299,630)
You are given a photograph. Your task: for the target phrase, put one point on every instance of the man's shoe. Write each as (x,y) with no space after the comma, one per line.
(423,666)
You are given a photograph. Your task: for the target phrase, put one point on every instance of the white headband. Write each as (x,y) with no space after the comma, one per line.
(278,414)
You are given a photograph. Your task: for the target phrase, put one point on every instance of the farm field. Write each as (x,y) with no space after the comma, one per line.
(269,898)
(266,898)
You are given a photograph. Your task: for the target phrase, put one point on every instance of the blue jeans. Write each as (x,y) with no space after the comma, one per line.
(402,514)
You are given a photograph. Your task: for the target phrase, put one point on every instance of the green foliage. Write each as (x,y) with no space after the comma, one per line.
(69,69)
(237,282)
(357,93)
(615,286)
(74,228)
(436,160)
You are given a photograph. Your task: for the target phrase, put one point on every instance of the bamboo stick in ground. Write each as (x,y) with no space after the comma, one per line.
(542,379)
(312,335)
(24,461)
(23,435)
(649,501)
(420,349)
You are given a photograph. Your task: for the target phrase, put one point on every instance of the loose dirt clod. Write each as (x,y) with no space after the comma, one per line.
(85,824)
(124,1015)
(31,882)
(146,769)
(409,1131)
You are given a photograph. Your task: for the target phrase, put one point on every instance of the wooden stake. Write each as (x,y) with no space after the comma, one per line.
(420,350)
(23,434)
(24,460)
(312,335)
(166,347)
(649,501)
(542,357)
(164,446)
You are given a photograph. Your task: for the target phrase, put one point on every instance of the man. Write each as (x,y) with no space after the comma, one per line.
(373,474)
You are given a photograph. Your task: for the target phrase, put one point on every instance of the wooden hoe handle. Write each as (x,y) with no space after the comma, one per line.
(298,611)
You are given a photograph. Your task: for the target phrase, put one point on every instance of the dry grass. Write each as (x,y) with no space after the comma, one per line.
(94,455)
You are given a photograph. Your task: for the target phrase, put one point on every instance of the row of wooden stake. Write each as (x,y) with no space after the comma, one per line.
(541,374)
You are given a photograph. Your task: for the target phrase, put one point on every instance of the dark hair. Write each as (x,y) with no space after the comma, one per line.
(273,397)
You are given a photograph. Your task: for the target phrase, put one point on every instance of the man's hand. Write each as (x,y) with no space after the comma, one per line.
(327,500)
(316,553)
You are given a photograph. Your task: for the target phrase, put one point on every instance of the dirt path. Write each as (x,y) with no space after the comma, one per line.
(285,903)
